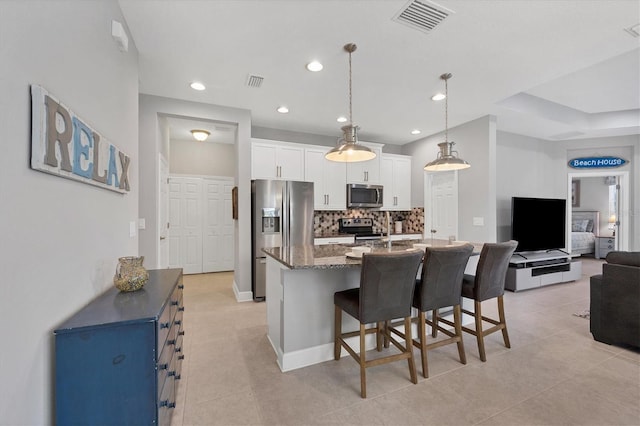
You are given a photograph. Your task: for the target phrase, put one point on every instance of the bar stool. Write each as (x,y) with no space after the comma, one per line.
(488,283)
(440,286)
(387,283)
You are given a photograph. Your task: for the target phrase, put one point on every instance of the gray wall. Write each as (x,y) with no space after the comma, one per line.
(526,167)
(198,158)
(60,238)
(594,195)
(152,110)
(538,168)
(476,143)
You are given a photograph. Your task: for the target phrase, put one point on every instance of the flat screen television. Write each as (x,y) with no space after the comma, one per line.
(538,223)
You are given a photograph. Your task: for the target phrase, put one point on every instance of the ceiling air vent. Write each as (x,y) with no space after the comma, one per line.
(423,15)
(254,80)
(634,30)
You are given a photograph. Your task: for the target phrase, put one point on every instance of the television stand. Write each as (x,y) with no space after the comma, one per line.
(537,269)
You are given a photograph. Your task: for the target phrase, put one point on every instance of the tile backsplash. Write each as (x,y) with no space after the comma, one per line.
(326,222)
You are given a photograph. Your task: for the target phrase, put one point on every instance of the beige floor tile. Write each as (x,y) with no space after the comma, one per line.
(555,373)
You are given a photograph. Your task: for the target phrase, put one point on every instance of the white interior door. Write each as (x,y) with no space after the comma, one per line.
(441,205)
(185,219)
(217,247)
(163,214)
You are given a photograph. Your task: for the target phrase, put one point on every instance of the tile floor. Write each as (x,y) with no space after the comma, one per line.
(554,374)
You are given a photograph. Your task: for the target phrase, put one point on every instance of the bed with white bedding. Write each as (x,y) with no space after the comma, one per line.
(584,230)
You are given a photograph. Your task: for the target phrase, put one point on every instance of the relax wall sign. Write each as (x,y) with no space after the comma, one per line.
(64,145)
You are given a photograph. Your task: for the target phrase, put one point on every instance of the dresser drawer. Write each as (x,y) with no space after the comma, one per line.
(167,400)
(164,325)
(606,242)
(164,366)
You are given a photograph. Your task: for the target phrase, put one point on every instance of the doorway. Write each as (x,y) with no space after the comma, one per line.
(441,205)
(201,238)
(621,220)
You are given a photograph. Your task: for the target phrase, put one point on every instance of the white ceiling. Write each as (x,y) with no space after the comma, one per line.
(547,69)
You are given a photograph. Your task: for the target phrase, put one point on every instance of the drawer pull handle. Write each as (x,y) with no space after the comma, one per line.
(180,286)
(174,303)
(181,333)
(181,309)
(164,325)
(167,404)
(171,373)
(177,322)
(180,357)
(177,377)
(163,366)
(171,342)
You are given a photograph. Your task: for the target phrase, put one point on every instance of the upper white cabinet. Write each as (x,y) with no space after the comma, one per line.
(395,176)
(367,172)
(328,177)
(276,160)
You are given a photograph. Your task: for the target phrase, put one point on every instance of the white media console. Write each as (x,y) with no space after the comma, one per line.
(531,270)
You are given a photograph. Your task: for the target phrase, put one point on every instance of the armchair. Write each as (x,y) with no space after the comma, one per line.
(615,300)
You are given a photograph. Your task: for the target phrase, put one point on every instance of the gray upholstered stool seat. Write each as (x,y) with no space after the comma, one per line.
(386,290)
(440,287)
(488,283)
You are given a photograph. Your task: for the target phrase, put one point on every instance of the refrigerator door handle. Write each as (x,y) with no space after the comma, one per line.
(284,226)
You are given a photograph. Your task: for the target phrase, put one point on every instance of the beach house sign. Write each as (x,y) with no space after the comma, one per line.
(64,145)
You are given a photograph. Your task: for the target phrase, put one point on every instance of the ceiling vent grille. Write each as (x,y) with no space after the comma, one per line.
(633,31)
(422,15)
(254,80)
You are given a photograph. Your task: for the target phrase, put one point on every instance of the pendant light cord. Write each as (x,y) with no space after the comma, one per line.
(350,94)
(446,110)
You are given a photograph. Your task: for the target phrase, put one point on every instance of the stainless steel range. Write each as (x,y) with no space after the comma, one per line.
(360,228)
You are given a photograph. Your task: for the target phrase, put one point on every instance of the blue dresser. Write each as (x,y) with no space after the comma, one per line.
(118,360)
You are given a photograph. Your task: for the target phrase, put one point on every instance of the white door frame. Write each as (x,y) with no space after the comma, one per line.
(162,213)
(622,231)
(428,212)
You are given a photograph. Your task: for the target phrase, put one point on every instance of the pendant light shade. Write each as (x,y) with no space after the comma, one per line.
(447,159)
(348,150)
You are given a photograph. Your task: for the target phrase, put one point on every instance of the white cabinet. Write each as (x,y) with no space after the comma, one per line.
(395,176)
(276,160)
(405,237)
(540,269)
(604,245)
(329,180)
(366,171)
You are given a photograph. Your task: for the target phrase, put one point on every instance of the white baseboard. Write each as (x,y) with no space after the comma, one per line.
(242,296)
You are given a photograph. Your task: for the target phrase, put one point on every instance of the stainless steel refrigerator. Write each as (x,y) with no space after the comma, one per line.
(281,216)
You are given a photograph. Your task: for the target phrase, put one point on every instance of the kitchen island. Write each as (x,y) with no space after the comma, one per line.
(300,283)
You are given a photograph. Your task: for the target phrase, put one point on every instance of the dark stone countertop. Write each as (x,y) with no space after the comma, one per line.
(333,256)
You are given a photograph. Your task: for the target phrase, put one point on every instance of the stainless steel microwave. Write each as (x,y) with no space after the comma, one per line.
(359,195)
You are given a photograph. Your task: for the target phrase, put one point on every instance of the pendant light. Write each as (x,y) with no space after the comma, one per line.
(447,158)
(348,149)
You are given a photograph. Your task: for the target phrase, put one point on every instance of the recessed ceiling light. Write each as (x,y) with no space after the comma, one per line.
(200,135)
(438,97)
(415,132)
(341,119)
(283,110)
(196,85)
(314,66)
